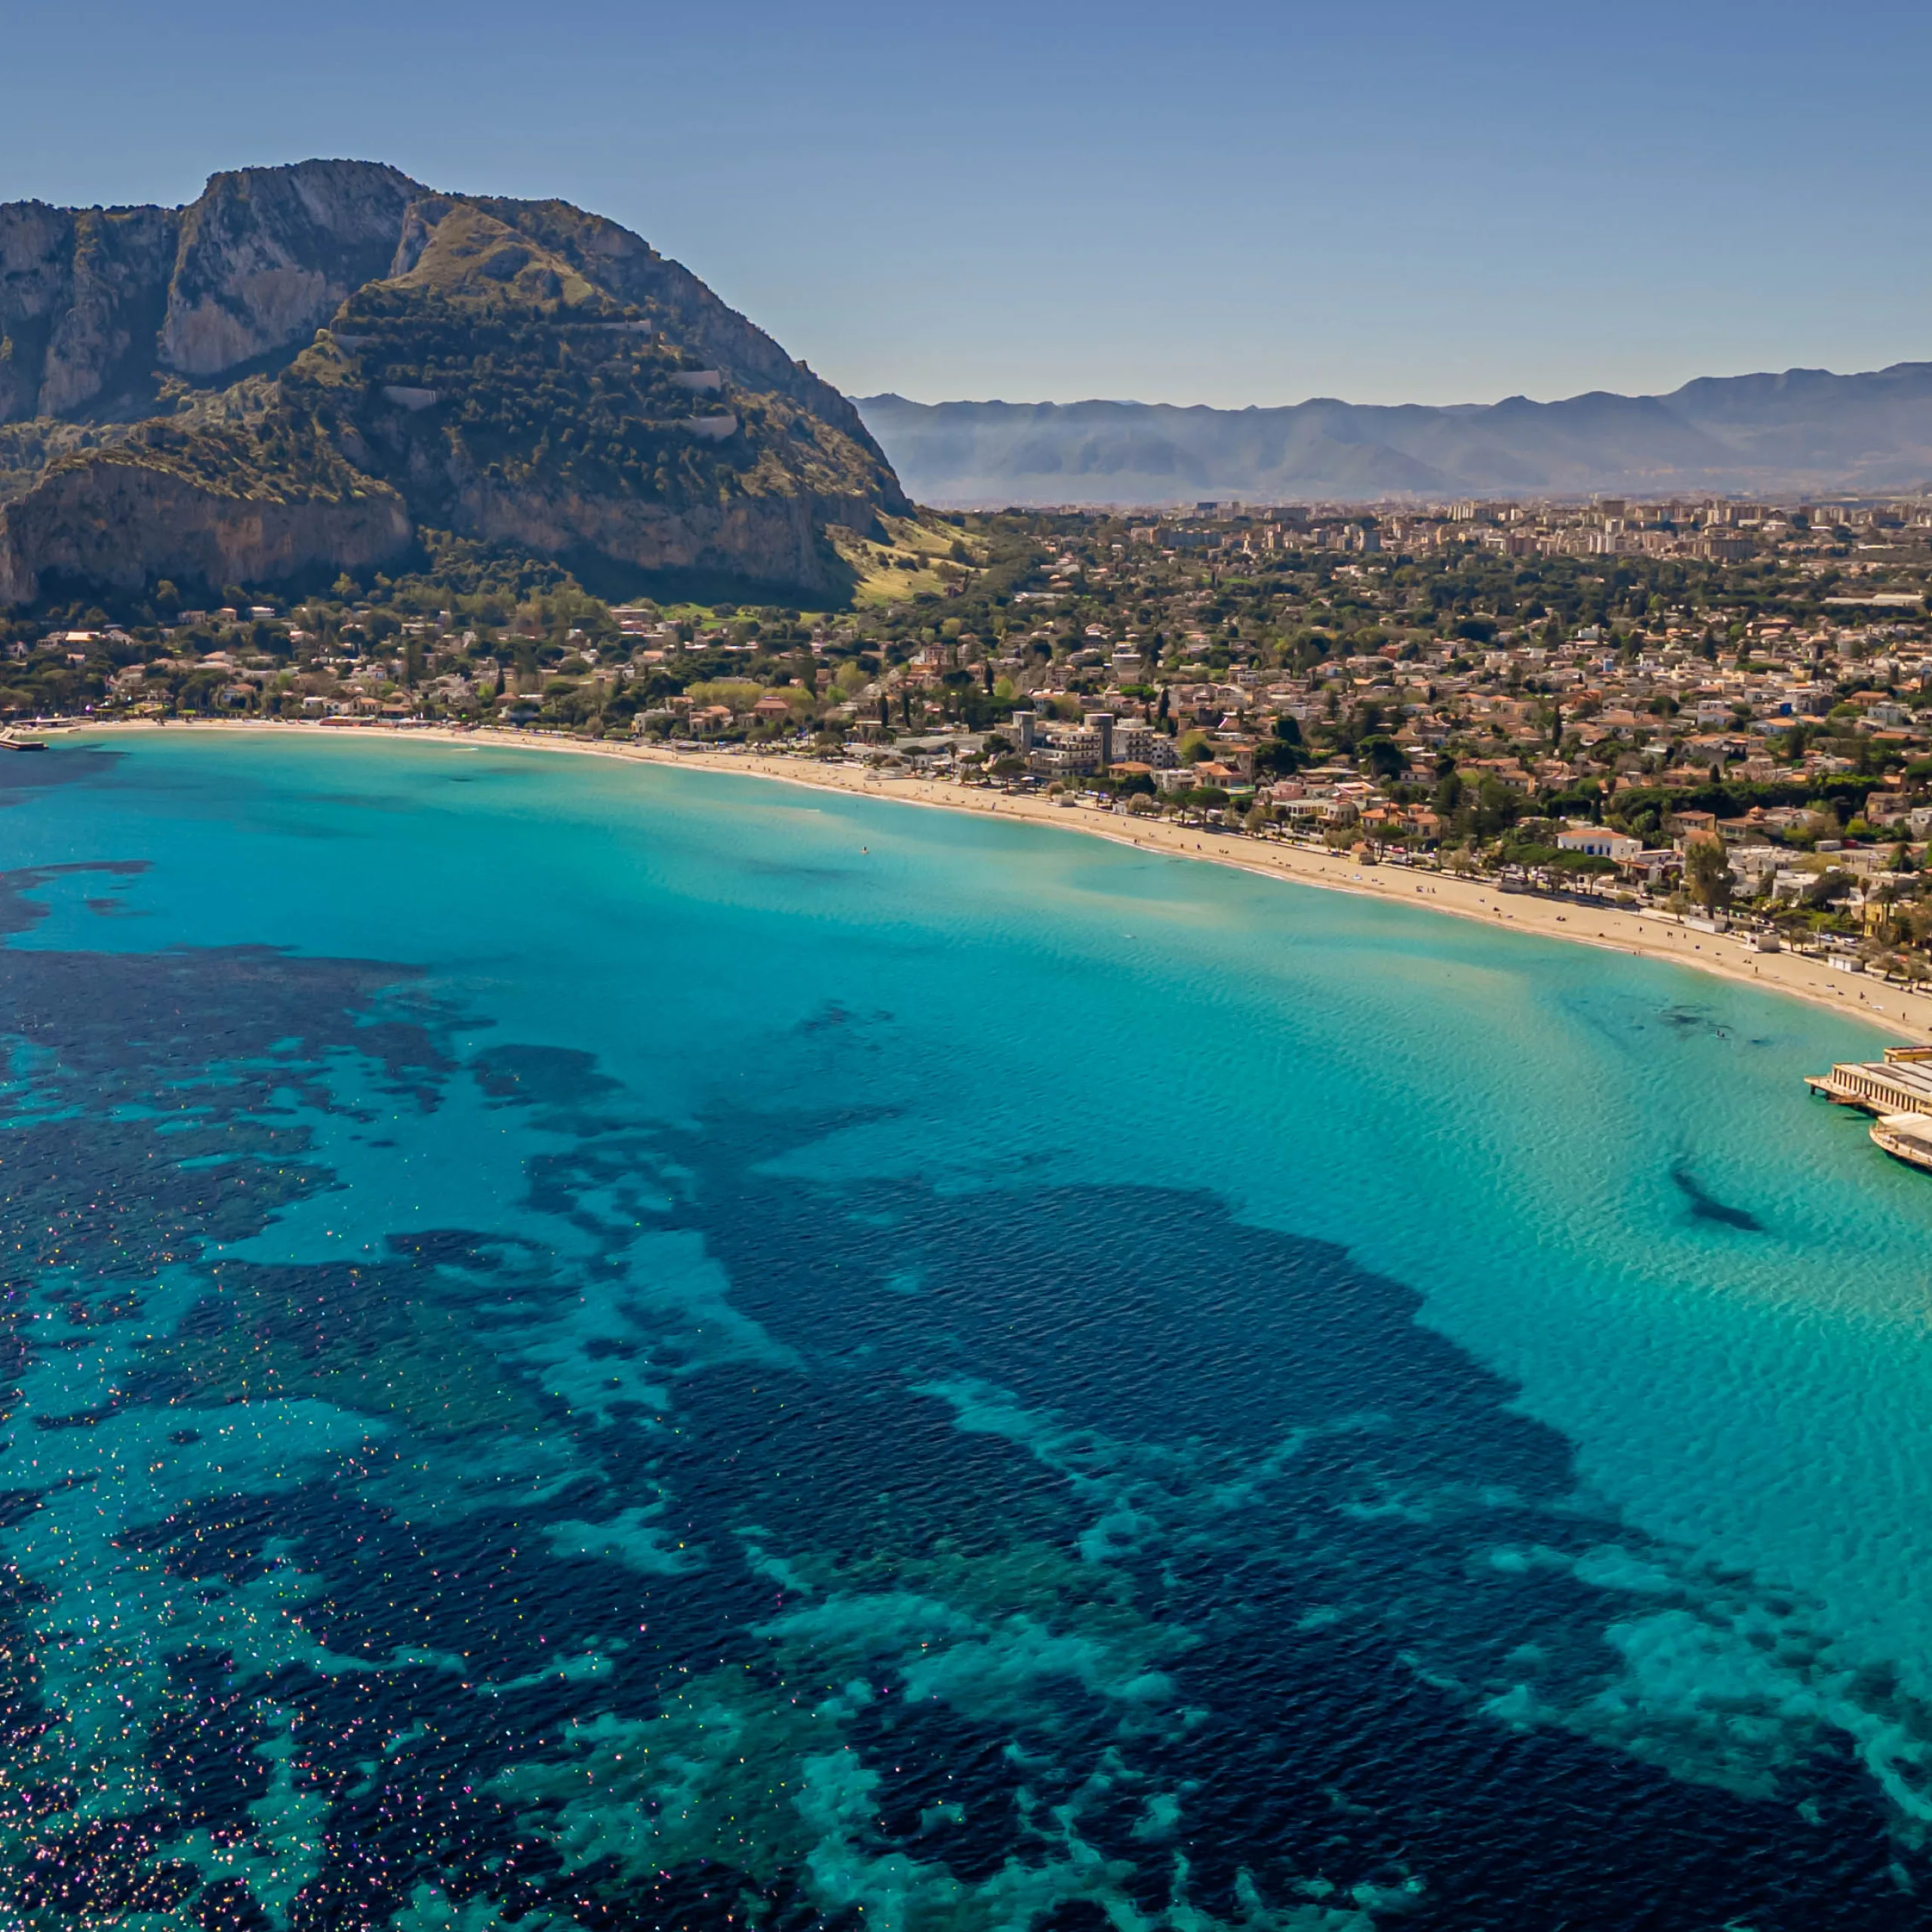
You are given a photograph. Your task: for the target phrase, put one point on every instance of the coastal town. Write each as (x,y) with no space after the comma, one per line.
(1720,708)
(965,973)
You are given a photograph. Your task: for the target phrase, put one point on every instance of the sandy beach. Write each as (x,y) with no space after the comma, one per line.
(1654,935)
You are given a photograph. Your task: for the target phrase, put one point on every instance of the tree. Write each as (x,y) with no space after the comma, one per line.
(1707,873)
(1384,758)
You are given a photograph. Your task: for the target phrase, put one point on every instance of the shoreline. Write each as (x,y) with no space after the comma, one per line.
(1609,928)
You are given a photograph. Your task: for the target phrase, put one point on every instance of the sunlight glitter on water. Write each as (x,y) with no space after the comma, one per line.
(613,1345)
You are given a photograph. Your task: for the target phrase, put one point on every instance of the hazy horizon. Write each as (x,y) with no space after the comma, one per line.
(1242,208)
(1298,402)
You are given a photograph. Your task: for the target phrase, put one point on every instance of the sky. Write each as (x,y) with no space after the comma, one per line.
(1231,204)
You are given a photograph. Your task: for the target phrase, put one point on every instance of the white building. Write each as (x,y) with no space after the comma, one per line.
(1598,842)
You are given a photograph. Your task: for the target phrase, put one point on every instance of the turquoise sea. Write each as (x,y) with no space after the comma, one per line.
(597,1345)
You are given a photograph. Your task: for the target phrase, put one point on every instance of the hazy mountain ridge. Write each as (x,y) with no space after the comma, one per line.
(299,369)
(1806,430)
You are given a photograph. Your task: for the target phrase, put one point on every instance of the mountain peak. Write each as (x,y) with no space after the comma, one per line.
(360,352)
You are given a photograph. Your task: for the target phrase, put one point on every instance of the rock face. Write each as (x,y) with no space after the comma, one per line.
(98,306)
(123,522)
(96,345)
(267,253)
(777,537)
(82,295)
(369,355)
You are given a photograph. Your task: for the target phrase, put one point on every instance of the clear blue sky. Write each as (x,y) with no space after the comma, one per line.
(1225,204)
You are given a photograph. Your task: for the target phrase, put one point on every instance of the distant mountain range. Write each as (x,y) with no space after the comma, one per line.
(1807,431)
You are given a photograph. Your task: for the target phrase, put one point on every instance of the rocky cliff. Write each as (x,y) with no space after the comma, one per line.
(124,520)
(267,253)
(83,295)
(298,370)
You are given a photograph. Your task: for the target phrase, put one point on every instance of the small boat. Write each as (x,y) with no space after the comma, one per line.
(1906,1137)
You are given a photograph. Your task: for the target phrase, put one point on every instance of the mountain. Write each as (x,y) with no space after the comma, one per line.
(299,372)
(1804,432)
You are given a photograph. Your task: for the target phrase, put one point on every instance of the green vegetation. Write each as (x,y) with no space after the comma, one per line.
(517,373)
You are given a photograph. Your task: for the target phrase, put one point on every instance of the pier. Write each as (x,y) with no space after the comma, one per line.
(1901,1083)
(1898,1089)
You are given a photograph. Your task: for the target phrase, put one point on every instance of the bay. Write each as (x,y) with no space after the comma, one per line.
(602,1345)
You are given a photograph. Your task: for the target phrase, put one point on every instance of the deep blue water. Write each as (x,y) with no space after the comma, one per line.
(610,1347)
